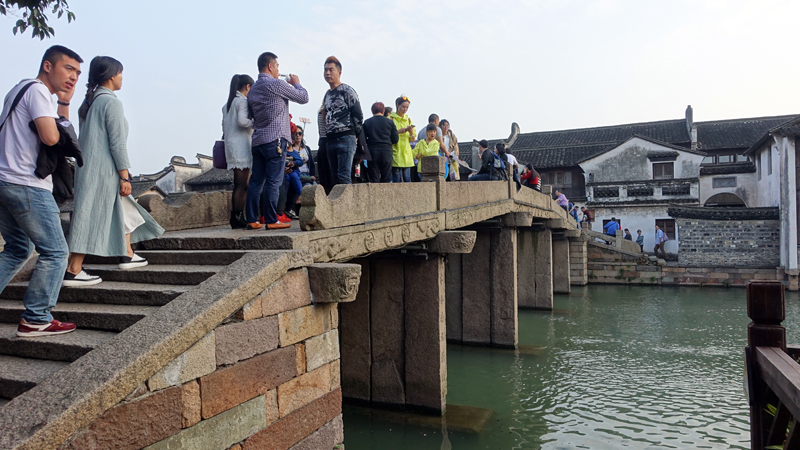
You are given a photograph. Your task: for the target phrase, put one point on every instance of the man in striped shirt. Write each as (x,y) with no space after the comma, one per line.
(269,100)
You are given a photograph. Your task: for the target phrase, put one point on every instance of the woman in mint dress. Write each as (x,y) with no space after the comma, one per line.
(106,219)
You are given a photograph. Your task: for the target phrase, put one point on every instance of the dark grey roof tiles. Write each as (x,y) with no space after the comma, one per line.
(722,169)
(213,176)
(552,158)
(736,134)
(701,212)
(671,131)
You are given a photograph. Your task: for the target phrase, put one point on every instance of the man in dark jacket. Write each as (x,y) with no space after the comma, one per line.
(343,122)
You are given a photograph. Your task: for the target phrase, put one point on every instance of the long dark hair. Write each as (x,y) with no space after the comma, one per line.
(238,82)
(101,69)
(501,148)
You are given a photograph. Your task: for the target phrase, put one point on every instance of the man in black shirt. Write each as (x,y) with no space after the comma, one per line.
(343,122)
(380,134)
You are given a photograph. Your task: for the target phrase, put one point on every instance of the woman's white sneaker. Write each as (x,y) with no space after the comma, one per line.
(81,279)
(131,263)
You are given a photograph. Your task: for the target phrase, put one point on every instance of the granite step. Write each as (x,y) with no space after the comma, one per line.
(84,315)
(18,375)
(63,347)
(108,292)
(155,274)
(180,257)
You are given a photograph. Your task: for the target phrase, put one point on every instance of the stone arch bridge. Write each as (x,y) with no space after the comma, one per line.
(237,337)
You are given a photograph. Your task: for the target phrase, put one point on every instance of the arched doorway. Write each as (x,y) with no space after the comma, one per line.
(725,200)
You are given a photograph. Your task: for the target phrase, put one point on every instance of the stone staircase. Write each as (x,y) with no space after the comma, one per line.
(100,311)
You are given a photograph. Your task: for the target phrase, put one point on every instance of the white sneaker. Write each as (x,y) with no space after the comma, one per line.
(81,279)
(131,263)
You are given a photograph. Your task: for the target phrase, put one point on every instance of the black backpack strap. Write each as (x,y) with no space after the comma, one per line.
(16,101)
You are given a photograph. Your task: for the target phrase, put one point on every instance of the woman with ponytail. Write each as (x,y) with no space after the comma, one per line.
(237,132)
(105,219)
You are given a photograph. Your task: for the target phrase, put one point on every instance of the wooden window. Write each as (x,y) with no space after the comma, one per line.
(667,226)
(709,160)
(663,171)
(567,178)
(769,161)
(726,159)
(559,178)
(741,158)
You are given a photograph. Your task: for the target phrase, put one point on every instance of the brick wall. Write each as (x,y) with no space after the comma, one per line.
(577,262)
(266,378)
(729,243)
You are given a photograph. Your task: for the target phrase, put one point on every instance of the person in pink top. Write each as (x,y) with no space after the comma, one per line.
(562,201)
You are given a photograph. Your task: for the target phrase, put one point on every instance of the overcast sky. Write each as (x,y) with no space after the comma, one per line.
(482,64)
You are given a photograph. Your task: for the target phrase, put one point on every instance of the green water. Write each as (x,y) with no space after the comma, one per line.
(611,367)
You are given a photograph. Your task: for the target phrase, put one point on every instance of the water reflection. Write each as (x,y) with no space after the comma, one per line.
(614,367)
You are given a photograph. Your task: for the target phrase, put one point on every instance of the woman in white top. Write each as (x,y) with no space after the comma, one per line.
(237,132)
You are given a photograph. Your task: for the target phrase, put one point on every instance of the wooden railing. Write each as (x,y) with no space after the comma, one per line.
(773,374)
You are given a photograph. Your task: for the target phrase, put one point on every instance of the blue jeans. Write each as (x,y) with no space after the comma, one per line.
(266,175)
(340,157)
(480,177)
(28,218)
(293,188)
(401,174)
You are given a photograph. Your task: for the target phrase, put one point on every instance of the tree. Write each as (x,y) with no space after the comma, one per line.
(33,15)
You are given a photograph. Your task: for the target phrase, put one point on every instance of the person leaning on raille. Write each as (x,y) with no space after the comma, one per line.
(28,210)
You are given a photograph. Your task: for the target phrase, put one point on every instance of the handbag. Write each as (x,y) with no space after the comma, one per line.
(220,161)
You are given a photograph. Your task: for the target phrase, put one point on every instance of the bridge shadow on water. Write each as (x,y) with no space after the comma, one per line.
(610,367)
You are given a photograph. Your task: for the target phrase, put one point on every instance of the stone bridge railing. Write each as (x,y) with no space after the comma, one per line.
(618,241)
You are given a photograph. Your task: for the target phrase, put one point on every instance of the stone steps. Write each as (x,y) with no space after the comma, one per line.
(100,311)
(108,292)
(180,257)
(63,347)
(96,316)
(154,274)
(17,375)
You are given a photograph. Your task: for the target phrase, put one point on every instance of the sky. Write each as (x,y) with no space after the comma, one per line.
(481,64)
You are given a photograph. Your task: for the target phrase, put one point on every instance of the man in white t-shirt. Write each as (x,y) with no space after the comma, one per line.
(28,211)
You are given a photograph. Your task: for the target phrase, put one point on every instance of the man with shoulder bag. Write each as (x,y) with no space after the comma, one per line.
(28,210)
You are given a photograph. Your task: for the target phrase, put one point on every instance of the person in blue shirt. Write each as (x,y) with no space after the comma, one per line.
(661,237)
(611,227)
(640,240)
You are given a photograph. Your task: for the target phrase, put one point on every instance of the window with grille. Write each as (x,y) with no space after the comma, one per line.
(667,226)
(663,171)
(724,182)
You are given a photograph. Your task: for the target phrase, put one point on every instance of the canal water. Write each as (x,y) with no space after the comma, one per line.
(612,367)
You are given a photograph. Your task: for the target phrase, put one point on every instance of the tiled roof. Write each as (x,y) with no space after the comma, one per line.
(702,212)
(140,187)
(552,158)
(737,134)
(213,176)
(722,169)
(670,131)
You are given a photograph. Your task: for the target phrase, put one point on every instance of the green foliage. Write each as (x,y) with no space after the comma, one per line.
(32,14)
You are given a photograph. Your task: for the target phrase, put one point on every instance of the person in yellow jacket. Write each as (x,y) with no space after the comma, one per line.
(402,153)
(428,147)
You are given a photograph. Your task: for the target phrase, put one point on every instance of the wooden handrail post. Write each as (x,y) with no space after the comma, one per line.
(765,306)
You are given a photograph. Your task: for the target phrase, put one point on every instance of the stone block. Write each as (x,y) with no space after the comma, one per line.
(333,283)
(476,292)
(250,311)
(356,348)
(387,320)
(452,242)
(300,358)
(334,310)
(293,428)
(425,334)
(503,280)
(220,431)
(190,404)
(231,386)
(199,360)
(137,424)
(720,276)
(336,376)
(302,390)
(302,323)
(242,340)
(290,292)
(326,437)
(322,349)
(452,292)
(273,412)
(197,210)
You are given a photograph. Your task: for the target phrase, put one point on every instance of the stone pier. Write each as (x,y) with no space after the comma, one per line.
(481,289)
(578,261)
(535,268)
(561,265)
(393,336)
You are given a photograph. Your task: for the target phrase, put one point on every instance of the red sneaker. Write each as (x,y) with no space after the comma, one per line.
(26,329)
(283,219)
